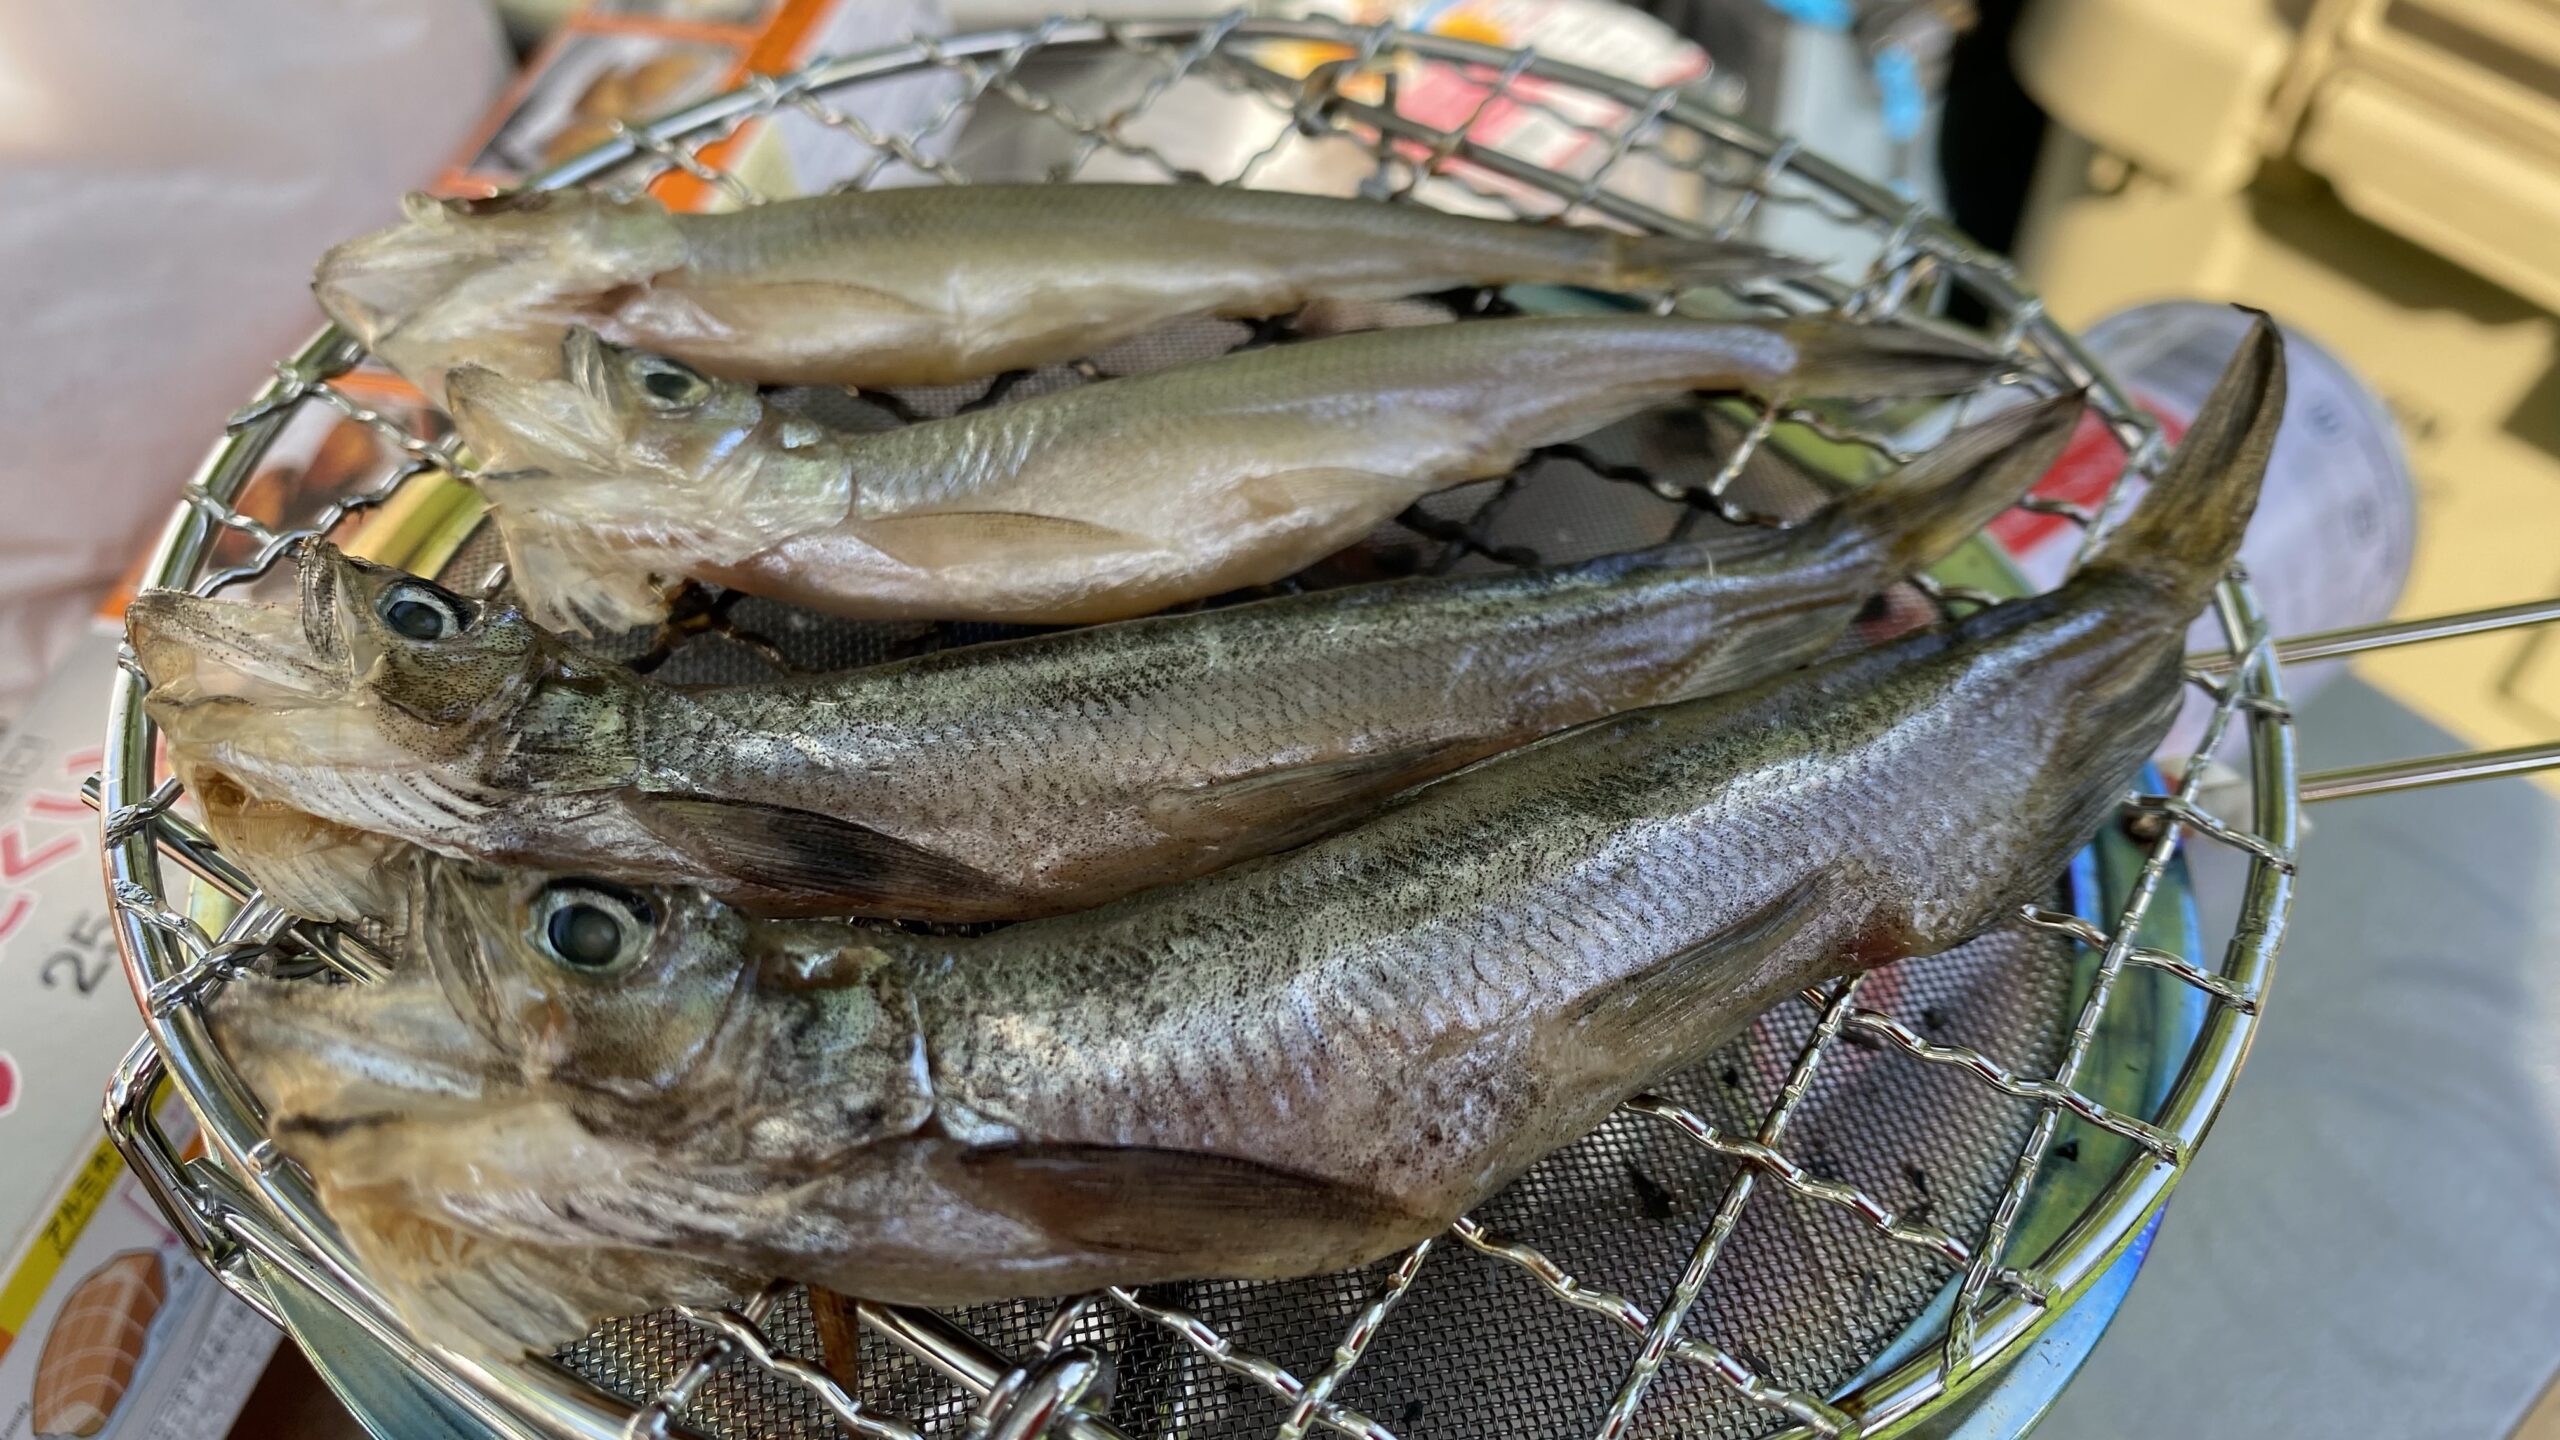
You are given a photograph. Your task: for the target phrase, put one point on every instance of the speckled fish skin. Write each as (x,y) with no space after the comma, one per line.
(1099,502)
(931,284)
(1299,1064)
(999,781)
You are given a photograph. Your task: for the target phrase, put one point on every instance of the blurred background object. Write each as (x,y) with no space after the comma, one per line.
(1861,81)
(168,169)
(2385,176)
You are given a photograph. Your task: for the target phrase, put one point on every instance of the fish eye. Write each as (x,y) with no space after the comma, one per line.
(591,928)
(420,611)
(672,384)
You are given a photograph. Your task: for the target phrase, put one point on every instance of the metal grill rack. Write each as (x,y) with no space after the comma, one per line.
(1639,1284)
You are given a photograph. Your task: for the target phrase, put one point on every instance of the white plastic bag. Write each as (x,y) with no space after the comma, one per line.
(168,172)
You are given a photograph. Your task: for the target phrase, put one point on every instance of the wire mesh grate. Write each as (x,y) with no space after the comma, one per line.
(1724,1257)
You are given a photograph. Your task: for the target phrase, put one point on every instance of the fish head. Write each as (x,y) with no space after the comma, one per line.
(559,1066)
(633,466)
(608,998)
(439,1112)
(662,1017)
(658,1018)
(299,728)
(639,416)
(373,666)
(491,281)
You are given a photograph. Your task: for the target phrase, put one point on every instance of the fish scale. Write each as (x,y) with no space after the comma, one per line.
(1088,1100)
(1647,839)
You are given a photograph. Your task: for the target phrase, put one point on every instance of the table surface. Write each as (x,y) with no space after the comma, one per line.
(2370,1243)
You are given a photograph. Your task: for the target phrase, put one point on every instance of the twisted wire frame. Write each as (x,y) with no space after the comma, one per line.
(248,1213)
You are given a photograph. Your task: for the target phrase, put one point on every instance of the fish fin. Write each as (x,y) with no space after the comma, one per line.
(945,538)
(1344,499)
(1716,545)
(1915,515)
(307,866)
(1649,1020)
(1185,1207)
(704,323)
(1874,362)
(572,581)
(1654,262)
(336,874)
(500,1299)
(1775,645)
(505,1300)
(1317,797)
(801,852)
(2188,527)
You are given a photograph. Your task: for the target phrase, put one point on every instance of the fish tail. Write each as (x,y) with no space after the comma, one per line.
(1843,357)
(1672,262)
(1915,515)
(2184,534)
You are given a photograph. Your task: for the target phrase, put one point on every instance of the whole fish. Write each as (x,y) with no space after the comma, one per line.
(995,782)
(930,284)
(1096,503)
(577,1100)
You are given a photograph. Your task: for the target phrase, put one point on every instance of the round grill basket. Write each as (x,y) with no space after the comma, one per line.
(1851,1215)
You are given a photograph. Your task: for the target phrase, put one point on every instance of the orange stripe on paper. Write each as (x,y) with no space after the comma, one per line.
(783,47)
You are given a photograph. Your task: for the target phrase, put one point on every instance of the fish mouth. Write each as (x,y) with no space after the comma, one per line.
(257,690)
(373,284)
(379,284)
(489,281)
(198,651)
(533,427)
(443,1169)
(333,1061)
(420,1047)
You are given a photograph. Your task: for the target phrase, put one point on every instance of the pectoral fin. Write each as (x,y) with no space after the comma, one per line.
(1763,649)
(1358,499)
(1671,1013)
(1184,1208)
(826,862)
(504,1300)
(1291,804)
(572,581)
